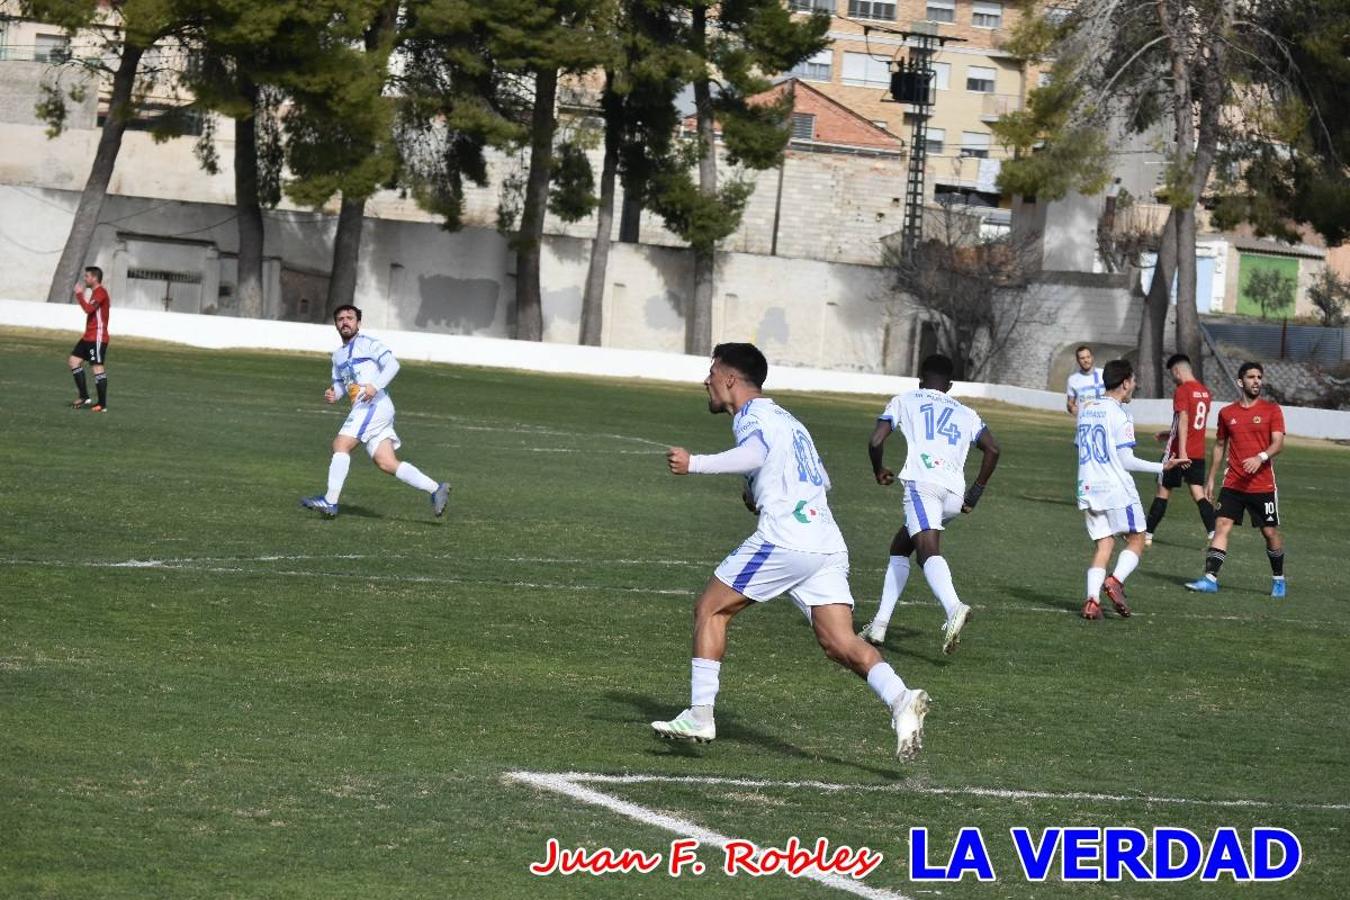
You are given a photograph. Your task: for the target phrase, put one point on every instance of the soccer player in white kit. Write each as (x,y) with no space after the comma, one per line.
(796,550)
(939,432)
(1085,383)
(1107,493)
(362,370)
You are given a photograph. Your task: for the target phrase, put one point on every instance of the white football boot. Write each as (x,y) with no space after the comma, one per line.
(687,727)
(907,719)
(951,633)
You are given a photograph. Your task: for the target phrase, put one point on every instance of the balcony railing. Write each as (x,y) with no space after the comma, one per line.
(998,105)
(34,53)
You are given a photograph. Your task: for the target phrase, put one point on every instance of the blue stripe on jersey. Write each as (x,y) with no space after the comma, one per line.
(754,434)
(1129,517)
(976,438)
(918,508)
(1129,444)
(752,567)
(360,359)
(890,419)
(370,414)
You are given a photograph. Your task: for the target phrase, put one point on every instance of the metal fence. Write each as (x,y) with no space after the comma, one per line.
(1298,343)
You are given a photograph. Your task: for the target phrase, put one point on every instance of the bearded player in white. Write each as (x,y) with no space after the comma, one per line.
(939,432)
(362,370)
(1107,493)
(796,550)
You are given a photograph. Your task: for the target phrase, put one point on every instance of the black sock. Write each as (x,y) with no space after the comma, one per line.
(80,384)
(1207,514)
(1214,558)
(1276,562)
(101,382)
(1155,514)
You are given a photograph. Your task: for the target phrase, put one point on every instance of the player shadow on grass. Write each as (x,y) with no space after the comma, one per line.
(360,512)
(909,643)
(1054,601)
(729,727)
(1056,500)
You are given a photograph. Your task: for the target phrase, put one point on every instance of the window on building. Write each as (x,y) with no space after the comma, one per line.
(941,11)
(975,143)
(942,76)
(815,68)
(871,9)
(803,127)
(986,14)
(882,124)
(937,141)
(811,5)
(51,48)
(865,70)
(980,79)
(1043,80)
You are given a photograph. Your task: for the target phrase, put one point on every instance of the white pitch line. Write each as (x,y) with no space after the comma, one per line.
(566,785)
(903,788)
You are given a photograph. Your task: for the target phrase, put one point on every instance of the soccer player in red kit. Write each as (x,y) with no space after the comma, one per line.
(94,345)
(1190,415)
(1251,434)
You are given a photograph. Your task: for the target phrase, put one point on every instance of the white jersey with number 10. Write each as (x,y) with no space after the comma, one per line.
(939,432)
(790,487)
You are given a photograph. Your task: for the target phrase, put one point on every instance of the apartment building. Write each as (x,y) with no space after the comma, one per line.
(976,80)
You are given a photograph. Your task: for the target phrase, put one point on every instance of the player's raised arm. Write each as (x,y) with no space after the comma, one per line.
(987,445)
(876,451)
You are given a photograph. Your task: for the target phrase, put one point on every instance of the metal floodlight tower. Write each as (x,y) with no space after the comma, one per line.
(912,83)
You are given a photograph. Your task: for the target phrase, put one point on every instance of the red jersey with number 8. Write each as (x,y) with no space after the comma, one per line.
(1248,431)
(1191,398)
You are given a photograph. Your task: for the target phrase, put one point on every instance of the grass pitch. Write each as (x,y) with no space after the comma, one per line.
(205,690)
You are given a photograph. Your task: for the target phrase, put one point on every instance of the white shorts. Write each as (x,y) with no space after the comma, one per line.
(929,506)
(1107,522)
(372,423)
(762,571)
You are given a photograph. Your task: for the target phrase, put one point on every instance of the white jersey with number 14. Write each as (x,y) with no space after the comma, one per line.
(939,431)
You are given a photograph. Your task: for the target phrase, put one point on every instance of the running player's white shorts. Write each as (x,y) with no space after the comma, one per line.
(929,506)
(762,571)
(1107,522)
(372,423)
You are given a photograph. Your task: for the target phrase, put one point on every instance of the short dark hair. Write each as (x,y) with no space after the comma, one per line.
(937,365)
(1080,348)
(744,358)
(1115,373)
(96,272)
(1176,358)
(347,306)
(1248,366)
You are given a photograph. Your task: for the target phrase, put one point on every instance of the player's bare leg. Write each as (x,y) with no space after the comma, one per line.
(387,460)
(893,585)
(713,611)
(833,625)
(77,372)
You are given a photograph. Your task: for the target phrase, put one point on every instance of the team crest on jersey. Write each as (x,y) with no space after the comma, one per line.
(803,513)
(1256,420)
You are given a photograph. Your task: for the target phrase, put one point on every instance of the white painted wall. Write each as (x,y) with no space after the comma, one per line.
(607,362)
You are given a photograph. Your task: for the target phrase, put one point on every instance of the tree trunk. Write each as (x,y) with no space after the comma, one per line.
(346,253)
(529,306)
(698,322)
(74,257)
(1188,318)
(630,217)
(592,299)
(1154,323)
(248,207)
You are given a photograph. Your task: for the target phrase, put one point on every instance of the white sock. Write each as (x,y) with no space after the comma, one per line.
(887,685)
(410,474)
(939,576)
(1094,585)
(1126,563)
(897,573)
(703,682)
(337,475)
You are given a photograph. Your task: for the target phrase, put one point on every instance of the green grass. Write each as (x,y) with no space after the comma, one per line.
(284,706)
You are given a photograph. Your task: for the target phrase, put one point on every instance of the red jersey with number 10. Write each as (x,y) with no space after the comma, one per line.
(95,307)
(1248,431)
(1191,398)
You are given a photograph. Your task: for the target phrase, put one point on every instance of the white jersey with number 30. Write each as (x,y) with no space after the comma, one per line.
(938,432)
(1104,427)
(790,487)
